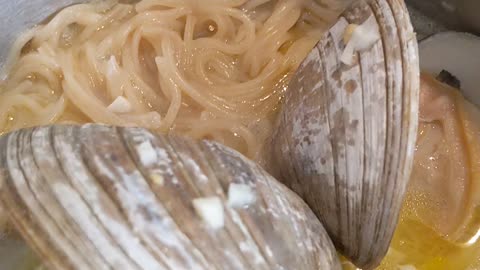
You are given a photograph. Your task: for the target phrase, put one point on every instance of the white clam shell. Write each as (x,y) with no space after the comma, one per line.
(346,135)
(99,197)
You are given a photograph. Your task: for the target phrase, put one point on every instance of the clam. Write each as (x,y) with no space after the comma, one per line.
(100,197)
(345,138)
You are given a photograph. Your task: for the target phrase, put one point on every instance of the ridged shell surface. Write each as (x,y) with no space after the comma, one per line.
(100,197)
(346,135)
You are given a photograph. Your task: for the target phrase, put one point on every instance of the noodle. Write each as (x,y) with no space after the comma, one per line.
(207,69)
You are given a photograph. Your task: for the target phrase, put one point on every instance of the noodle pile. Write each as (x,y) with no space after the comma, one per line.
(207,69)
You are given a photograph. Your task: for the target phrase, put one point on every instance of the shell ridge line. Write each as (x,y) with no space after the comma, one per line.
(234,215)
(67,202)
(364,143)
(60,147)
(363,198)
(92,164)
(166,144)
(374,7)
(328,87)
(66,246)
(392,176)
(141,134)
(344,119)
(48,157)
(378,11)
(10,194)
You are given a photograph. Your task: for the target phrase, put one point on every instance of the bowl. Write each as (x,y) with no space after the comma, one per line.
(428,16)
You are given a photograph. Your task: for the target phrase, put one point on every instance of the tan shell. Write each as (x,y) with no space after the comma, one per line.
(345,138)
(99,197)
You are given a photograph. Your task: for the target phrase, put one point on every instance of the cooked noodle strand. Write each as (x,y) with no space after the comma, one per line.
(208,69)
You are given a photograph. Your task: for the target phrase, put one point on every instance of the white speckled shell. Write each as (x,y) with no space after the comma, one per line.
(346,135)
(91,198)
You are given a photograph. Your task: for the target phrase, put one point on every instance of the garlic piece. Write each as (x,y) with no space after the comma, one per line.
(157,179)
(149,155)
(240,195)
(361,38)
(347,36)
(112,66)
(210,210)
(120,105)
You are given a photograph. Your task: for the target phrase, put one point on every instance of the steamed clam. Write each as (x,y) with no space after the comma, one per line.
(99,197)
(346,135)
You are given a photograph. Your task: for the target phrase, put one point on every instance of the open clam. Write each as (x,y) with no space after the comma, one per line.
(98,197)
(345,138)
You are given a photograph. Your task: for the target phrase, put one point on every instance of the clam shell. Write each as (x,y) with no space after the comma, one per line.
(99,197)
(345,137)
